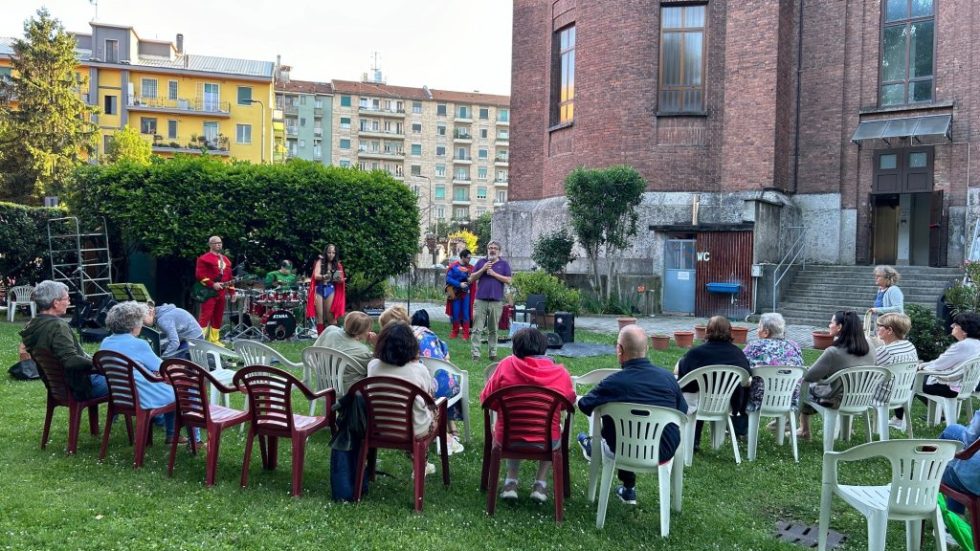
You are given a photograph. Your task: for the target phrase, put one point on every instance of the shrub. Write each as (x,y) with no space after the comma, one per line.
(23,235)
(966,297)
(553,251)
(560,298)
(927,333)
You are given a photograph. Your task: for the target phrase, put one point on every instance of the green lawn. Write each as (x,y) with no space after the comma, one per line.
(50,500)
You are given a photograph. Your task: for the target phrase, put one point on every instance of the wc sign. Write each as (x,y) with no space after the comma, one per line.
(704,256)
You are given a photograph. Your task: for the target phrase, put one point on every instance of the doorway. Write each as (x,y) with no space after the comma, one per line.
(679,276)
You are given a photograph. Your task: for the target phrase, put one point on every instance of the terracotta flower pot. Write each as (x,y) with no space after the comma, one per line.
(660,342)
(684,339)
(623,322)
(740,335)
(699,331)
(822,339)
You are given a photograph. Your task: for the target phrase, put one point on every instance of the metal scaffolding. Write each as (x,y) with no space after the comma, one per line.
(80,260)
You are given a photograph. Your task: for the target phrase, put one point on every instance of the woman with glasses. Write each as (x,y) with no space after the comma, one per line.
(892,329)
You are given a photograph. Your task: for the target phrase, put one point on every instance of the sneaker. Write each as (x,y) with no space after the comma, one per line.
(493,357)
(510,490)
(951,541)
(897,423)
(539,492)
(429,469)
(476,357)
(626,495)
(455,446)
(585,442)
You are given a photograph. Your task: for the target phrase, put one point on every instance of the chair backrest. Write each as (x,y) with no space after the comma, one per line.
(118,370)
(526,410)
(971,377)
(256,353)
(716,385)
(328,366)
(436,364)
(593,377)
(779,382)
(638,431)
(190,388)
(903,379)
(388,404)
(859,385)
(537,302)
(269,392)
(200,349)
(53,375)
(22,293)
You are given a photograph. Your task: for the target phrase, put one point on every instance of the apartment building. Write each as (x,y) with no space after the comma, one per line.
(181,102)
(307,119)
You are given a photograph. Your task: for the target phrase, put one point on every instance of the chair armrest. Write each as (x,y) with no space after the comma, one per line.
(151,376)
(224,389)
(969,451)
(920,380)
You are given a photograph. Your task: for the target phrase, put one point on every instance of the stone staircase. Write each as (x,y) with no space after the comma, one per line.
(820,290)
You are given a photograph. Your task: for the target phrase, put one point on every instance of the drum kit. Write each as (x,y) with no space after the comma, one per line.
(277,313)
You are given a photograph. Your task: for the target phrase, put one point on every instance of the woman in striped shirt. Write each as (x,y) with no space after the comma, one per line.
(892,329)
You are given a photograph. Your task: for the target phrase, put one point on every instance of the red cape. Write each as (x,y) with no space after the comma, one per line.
(449,303)
(339,306)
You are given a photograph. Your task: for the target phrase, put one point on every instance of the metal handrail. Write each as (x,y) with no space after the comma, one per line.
(789,259)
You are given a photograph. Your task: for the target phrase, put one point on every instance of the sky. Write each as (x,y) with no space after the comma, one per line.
(461,45)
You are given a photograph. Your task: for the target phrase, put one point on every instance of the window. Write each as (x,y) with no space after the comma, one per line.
(500,197)
(682,59)
(441,129)
(416,107)
(484,113)
(302,121)
(462,112)
(907,52)
(483,133)
(172,90)
(481,173)
(111,105)
(441,110)
(344,163)
(345,122)
(483,154)
(112,51)
(302,144)
(481,192)
(416,170)
(462,174)
(462,153)
(461,213)
(480,211)
(441,213)
(243,133)
(172,129)
(440,151)
(503,115)
(211,132)
(149,88)
(302,100)
(345,101)
(441,170)
(317,151)
(563,81)
(148,125)
(503,135)
(416,128)
(416,149)
(440,192)
(461,194)
(244,95)
(501,176)
(344,143)
(5,73)
(317,103)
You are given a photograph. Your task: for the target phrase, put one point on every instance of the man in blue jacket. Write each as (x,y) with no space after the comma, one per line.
(639,382)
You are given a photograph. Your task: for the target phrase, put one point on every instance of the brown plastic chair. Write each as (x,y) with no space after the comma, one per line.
(269,392)
(388,405)
(190,382)
(526,409)
(971,501)
(53,376)
(124,400)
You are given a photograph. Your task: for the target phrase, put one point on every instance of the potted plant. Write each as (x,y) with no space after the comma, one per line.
(558,296)
(684,339)
(660,341)
(740,335)
(623,322)
(822,339)
(699,331)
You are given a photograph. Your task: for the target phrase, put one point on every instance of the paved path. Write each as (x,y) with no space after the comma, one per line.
(653,324)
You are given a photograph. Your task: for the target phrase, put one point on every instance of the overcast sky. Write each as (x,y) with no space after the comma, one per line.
(461,45)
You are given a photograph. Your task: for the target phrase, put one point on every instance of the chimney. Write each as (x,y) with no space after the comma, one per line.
(180,43)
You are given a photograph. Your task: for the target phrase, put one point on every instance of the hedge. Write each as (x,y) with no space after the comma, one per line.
(24,242)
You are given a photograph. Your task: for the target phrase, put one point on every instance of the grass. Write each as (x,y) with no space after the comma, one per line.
(50,500)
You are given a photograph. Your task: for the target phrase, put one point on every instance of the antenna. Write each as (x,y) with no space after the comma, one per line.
(376,69)
(96,4)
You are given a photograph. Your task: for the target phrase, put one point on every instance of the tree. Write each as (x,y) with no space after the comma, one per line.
(554,251)
(47,128)
(465,236)
(481,227)
(128,145)
(602,207)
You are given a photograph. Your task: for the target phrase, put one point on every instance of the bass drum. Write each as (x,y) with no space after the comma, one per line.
(279,325)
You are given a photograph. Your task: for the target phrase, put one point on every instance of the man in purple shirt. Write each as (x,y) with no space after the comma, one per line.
(491,274)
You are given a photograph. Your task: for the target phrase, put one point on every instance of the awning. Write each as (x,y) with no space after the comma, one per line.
(912,127)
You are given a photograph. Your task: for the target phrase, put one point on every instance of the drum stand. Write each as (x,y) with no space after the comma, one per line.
(245,331)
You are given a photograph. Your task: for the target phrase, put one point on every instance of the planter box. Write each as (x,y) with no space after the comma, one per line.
(660,342)
(684,339)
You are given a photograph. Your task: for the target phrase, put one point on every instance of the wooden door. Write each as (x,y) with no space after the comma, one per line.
(937,230)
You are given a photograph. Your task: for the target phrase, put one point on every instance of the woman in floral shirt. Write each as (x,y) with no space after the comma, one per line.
(771,348)
(447,386)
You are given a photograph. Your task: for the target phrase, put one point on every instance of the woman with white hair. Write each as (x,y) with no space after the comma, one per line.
(771,348)
(125,320)
(889,299)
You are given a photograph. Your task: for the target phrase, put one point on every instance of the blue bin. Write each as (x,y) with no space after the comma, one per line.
(724,288)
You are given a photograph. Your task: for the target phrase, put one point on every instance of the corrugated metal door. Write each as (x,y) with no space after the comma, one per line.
(723,257)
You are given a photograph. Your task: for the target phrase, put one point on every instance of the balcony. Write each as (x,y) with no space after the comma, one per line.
(380,154)
(181,106)
(291,109)
(502,182)
(277,114)
(317,131)
(462,136)
(379,133)
(501,160)
(200,145)
(503,123)
(292,131)
(462,179)
(461,200)
(463,117)
(318,111)
(463,159)
(368,110)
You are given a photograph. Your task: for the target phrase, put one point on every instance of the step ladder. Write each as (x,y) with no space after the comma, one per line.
(80,259)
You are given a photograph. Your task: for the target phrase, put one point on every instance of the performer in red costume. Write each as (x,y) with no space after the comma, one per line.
(327,299)
(213,270)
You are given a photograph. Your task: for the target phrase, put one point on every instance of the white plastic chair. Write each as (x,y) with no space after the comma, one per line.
(716,385)
(435,364)
(593,377)
(638,431)
(200,350)
(21,295)
(917,469)
(327,367)
(900,396)
(779,382)
(256,353)
(950,407)
(860,383)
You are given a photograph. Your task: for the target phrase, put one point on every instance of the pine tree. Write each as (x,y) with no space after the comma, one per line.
(45,126)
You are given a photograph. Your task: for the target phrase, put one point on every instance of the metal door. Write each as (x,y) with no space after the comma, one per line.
(679,276)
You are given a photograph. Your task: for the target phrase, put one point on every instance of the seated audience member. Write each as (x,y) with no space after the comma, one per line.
(125,320)
(529,366)
(891,329)
(48,331)
(945,372)
(447,386)
(717,349)
(356,340)
(963,475)
(394,313)
(850,349)
(177,325)
(771,348)
(639,382)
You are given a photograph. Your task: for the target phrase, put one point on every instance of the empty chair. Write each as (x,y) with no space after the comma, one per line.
(53,375)
(256,353)
(716,385)
(859,385)
(593,377)
(190,382)
(779,383)
(900,395)
(638,431)
(330,368)
(917,468)
(20,296)
(950,407)
(463,398)
(270,392)
(209,356)
(535,306)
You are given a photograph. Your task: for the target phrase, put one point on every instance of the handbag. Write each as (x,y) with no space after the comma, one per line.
(24,370)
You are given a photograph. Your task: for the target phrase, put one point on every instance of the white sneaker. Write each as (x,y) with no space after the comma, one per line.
(538,493)
(455,446)
(429,469)
(951,541)
(897,423)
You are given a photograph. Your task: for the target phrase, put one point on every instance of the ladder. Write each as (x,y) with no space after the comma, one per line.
(974,254)
(80,259)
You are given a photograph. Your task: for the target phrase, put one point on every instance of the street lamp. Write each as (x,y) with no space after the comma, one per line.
(262,149)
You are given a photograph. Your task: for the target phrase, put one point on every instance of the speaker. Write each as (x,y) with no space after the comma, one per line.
(565,326)
(554,341)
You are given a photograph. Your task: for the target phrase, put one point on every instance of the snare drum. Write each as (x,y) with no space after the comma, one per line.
(279,325)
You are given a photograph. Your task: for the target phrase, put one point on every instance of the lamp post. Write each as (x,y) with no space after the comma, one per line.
(262,150)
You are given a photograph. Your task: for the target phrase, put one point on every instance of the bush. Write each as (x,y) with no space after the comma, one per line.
(560,298)
(24,239)
(553,251)
(927,333)
(966,297)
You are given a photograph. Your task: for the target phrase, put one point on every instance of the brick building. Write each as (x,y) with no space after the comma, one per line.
(854,119)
